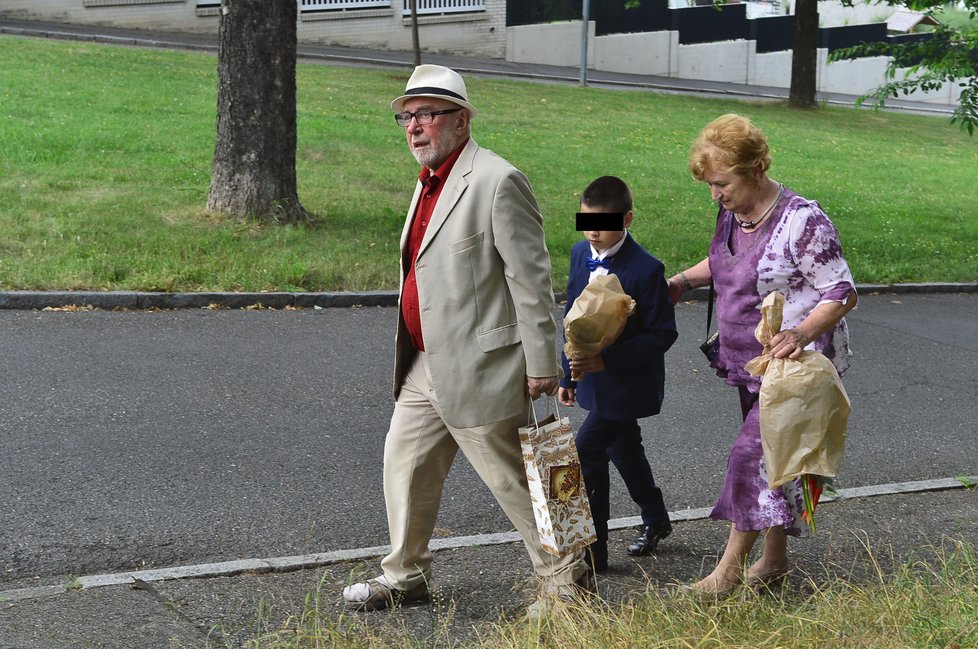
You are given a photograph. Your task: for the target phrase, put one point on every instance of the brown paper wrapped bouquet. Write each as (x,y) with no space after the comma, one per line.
(596,318)
(804,410)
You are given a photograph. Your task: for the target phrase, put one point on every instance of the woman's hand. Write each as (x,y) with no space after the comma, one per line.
(790,343)
(826,315)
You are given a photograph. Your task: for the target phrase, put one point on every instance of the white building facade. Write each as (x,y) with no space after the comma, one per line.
(472,27)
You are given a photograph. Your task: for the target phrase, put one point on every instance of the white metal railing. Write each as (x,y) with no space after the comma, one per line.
(444,6)
(424,6)
(320,5)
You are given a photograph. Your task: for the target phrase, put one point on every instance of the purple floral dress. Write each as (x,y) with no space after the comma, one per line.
(795,251)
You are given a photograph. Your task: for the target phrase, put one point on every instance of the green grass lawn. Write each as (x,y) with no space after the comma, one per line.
(107,151)
(927,602)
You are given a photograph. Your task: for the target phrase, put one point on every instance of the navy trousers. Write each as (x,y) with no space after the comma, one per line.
(620,442)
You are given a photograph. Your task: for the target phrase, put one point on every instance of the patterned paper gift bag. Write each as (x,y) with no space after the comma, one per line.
(553,470)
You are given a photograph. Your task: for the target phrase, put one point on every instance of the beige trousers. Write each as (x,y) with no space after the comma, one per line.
(418,454)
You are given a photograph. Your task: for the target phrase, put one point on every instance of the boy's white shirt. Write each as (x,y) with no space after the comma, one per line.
(610,252)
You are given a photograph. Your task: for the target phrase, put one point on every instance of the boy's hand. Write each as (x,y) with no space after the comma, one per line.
(589,364)
(567,396)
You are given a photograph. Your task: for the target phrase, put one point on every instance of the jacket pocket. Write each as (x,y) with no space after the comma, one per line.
(466,243)
(498,337)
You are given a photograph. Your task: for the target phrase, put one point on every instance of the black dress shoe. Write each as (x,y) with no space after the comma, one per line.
(647,540)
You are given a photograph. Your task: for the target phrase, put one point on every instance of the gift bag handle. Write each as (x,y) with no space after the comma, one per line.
(533,412)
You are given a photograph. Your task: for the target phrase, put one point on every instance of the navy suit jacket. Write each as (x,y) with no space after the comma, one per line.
(631,386)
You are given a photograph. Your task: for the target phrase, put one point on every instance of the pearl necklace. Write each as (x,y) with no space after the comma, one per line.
(746,225)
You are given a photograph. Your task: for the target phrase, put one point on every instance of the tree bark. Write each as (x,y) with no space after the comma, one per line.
(253,174)
(804,67)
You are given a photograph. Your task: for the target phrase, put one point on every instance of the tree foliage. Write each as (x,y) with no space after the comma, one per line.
(948,56)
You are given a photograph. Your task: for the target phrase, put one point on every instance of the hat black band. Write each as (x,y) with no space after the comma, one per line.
(431,90)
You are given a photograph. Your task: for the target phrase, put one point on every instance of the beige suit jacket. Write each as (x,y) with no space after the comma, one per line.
(484,290)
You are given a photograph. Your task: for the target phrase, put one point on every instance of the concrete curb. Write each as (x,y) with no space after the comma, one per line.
(298,562)
(146,300)
(135,300)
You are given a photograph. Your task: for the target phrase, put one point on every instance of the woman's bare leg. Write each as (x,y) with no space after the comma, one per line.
(773,561)
(730,570)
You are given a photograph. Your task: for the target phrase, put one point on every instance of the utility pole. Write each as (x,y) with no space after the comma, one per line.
(415,41)
(585,18)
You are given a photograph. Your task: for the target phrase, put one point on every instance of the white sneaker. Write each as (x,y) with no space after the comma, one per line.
(553,595)
(377,594)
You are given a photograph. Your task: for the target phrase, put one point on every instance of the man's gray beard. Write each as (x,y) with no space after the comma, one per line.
(424,157)
(428,156)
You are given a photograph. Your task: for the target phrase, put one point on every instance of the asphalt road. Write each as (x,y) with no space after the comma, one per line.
(157,438)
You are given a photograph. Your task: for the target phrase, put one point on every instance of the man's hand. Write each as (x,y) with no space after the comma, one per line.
(536,386)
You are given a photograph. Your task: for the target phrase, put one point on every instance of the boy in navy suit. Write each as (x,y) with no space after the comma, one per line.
(625,381)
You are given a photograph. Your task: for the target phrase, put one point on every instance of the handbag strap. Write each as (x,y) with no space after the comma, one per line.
(709,304)
(709,308)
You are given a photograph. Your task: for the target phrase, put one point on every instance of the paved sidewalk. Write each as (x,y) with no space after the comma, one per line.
(474,586)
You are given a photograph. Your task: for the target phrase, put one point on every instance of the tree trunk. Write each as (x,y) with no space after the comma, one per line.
(804,67)
(253,174)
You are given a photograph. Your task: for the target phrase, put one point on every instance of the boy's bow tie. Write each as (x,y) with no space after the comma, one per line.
(592,264)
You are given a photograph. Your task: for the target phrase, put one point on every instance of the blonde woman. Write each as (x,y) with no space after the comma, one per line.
(767,239)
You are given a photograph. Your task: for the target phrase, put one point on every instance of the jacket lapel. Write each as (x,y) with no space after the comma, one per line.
(455,186)
(619,264)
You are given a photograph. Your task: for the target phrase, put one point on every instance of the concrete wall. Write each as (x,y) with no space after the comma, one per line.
(770,69)
(174,15)
(647,53)
(481,33)
(851,77)
(549,44)
(726,61)
(477,34)
(659,54)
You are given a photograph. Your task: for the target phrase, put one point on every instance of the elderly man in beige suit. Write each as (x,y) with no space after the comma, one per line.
(475,341)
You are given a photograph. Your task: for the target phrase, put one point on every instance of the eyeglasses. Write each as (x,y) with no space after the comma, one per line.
(424,117)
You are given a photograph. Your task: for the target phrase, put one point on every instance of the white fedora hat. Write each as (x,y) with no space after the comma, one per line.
(435,81)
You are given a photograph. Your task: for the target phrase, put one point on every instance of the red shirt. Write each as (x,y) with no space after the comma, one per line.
(432,184)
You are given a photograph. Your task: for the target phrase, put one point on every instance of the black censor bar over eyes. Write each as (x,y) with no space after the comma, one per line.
(612,221)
